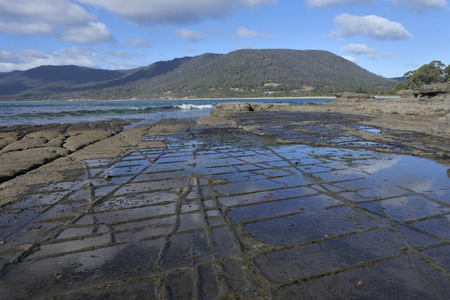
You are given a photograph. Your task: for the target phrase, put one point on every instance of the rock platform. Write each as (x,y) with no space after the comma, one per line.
(302,207)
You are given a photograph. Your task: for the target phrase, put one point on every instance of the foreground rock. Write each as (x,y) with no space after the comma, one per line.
(179,211)
(24,148)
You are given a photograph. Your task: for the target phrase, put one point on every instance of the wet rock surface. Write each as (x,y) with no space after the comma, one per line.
(181,211)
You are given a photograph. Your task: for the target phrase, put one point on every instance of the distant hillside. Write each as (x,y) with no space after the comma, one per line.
(242,73)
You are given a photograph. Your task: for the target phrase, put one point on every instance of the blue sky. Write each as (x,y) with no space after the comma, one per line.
(386,37)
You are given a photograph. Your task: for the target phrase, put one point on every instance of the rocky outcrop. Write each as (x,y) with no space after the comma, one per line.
(245,106)
(430,90)
(352,98)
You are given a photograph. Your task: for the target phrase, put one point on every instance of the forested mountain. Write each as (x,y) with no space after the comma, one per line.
(242,73)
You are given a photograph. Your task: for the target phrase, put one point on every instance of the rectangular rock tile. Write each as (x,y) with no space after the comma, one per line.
(411,207)
(247,167)
(71,246)
(152,223)
(416,238)
(136,288)
(184,247)
(222,162)
(207,287)
(180,284)
(160,176)
(189,207)
(273,173)
(260,158)
(110,180)
(266,196)
(122,171)
(154,168)
(309,226)
(224,243)
(128,215)
(141,234)
(439,226)
(239,176)
(80,271)
(191,221)
(329,256)
(356,184)
(382,190)
(237,276)
(217,170)
(313,169)
(292,180)
(76,232)
(338,176)
(391,279)
(441,194)
(67,186)
(148,186)
(39,200)
(133,200)
(355,196)
(131,163)
(314,203)
(104,190)
(246,187)
(439,256)
(93,163)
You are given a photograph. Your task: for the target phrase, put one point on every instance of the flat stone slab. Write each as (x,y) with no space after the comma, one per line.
(181,213)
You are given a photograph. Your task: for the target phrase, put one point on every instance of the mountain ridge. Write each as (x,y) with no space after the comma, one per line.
(241,73)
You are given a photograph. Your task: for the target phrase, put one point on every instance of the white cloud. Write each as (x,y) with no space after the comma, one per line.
(418,5)
(380,55)
(363,49)
(374,26)
(31,17)
(173,11)
(325,3)
(117,53)
(190,35)
(422,5)
(81,56)
(93,32)
(139,43)
(358,49)
(350,58)
(62,18)
(243,32)
(13,27)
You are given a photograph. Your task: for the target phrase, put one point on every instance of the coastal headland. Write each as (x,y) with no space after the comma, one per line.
(256,201)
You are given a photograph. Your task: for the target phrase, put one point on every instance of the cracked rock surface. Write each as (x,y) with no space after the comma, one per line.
(180,210)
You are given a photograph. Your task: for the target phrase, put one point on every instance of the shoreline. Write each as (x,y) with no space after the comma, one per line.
(178,99)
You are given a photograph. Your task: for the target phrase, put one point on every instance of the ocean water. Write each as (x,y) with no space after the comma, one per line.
(148,111)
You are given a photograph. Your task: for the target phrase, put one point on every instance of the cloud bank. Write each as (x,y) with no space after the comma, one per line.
(61,18)
(246,33)
(358,49)
(191,35)
(326,3)
(146,12)
(418,5)
(377,27)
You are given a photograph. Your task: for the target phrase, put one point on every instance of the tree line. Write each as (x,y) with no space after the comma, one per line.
(434,72)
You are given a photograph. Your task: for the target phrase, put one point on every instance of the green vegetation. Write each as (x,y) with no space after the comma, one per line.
(434,72)
(240,74)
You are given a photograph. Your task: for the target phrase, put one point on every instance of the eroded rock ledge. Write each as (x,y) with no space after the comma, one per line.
(417,122)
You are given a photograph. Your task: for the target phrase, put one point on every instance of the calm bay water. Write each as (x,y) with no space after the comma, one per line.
(33,113)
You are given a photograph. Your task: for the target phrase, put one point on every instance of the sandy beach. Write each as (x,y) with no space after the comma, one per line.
(323,200)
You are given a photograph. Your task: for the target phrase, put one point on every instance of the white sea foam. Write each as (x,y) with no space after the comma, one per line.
(193,106)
